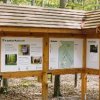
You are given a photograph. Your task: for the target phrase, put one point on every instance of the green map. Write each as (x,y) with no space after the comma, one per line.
(66,54)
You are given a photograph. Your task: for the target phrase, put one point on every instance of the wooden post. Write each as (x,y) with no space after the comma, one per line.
(45,67)
(99,84)
(84,75)
(98,32)
(99,70)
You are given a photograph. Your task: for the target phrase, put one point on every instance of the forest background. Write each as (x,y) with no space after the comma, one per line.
(69,4)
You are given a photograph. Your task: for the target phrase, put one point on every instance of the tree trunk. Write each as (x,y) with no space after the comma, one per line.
(73,3)
(32,2)
(75,84)
(5,86)
(43,3)
(83,4)
(5,81)
(57,77)
(63,3)
(97,3)
(6,1)
(57,86)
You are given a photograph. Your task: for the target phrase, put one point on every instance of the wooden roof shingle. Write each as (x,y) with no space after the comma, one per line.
(92,19)
(40,17)
(21,16)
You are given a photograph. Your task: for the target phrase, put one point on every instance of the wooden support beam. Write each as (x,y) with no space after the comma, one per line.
(84,86)
(92,71)
(99,70)
(20,74)
(84,75)
(65,71)
(39,30)
(45,67)
(99,84)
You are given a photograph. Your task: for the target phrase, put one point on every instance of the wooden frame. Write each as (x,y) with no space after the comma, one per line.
(46,33)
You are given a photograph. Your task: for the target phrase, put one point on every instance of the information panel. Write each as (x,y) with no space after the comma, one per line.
(21,54)
(65,53)
(93,53)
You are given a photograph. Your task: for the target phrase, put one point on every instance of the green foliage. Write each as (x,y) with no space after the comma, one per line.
(38,2)
(83,5)
(52,3)
(47,3)
(91,5)
(70,4)
(21,2)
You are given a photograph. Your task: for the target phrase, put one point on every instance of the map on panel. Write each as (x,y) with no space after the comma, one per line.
(66,54)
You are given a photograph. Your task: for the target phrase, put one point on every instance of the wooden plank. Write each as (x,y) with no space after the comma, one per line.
(46,25)
(92,71)
(99,85)
(21,74)
(40,21)
(30,8)
(64,35)
(0,55)
(92,13)
(45,67)
(92,21)
(24,25)
(31,20)
(92,18)
(65,71)
(54,72)
(86,27)
(19,13)
(84,75)
(90,26)
(31,30)
(37,17)
(89,31)
(99,68)
(21,34)
(14,15)
(41,11)
(41,25)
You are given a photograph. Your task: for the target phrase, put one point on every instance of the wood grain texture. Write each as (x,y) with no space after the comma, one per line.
(84,75)
(21,16)
(40,17)
(45,67)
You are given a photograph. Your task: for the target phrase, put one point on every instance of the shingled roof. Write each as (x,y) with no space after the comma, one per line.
(11,15)
(92,19)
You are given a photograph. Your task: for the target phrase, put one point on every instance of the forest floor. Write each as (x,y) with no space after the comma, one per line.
(30,89)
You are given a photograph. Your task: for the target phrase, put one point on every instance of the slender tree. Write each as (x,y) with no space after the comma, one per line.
(5,81)
(4,1)
(63,3)
(57,77)
(32,2)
